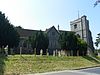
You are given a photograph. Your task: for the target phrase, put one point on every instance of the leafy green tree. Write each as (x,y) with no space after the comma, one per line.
(19,27)
(73,44)
(68,41)
(81,47)
(96,3)
(97,43)
(62,40)
(13,38)
(32,40)
(39,40)
(8,34)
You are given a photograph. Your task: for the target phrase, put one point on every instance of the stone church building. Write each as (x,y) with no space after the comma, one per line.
(80,26)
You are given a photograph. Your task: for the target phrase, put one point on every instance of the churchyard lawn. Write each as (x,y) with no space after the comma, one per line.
(26,64)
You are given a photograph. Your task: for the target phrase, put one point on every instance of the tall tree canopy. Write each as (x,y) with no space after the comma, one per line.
(96,3)
(8,34)
(72,44)
(39,40)
(81,47)
(97,43)
(68,42)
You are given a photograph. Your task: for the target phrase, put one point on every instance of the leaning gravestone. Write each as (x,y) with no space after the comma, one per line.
(6,50)
(59,53)
(41,52)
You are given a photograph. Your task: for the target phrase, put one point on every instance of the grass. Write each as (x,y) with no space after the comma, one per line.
(25,64)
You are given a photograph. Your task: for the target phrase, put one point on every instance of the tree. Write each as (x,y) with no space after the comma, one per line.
(62,40)
(19,27)
(13,38)
(32,40)
(39,40)
(81,47)
(97,43)
(96,3)
(8,34)
(68,41)
(72,44)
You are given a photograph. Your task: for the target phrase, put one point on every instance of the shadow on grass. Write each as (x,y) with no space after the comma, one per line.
(23,57)
(92,59)
(2,64)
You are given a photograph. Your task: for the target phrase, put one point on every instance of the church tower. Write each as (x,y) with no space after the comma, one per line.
(81,27)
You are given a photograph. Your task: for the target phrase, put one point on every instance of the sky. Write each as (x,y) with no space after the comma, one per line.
(42,14)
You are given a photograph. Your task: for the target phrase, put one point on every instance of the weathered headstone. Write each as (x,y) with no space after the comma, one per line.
(54,53)
(41,52)
(62,53)
(59,53)
(6,50)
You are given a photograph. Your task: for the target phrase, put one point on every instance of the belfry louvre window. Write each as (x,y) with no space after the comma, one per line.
(75,26)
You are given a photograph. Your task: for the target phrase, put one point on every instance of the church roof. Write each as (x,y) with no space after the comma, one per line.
(25,32)
(47,30)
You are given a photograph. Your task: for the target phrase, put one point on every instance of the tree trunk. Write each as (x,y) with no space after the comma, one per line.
(9,51)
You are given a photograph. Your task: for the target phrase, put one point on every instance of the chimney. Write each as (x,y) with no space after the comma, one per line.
(58,27)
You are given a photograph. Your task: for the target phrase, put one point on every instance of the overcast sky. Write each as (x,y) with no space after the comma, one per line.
(42,14)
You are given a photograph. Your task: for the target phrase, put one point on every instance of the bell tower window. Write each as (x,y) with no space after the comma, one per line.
(75,26)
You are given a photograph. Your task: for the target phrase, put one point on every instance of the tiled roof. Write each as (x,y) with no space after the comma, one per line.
(47,30)
(25,32)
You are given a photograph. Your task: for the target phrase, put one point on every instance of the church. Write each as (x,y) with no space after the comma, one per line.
(80,26)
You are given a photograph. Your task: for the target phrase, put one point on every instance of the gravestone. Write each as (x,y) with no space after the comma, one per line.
(47,52)
(59,53)
(54,53)
(6,50)
(41,52)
